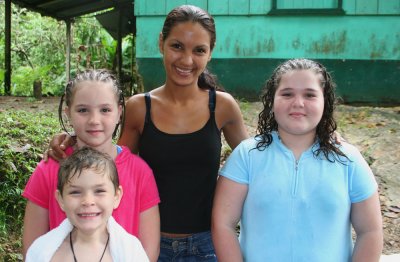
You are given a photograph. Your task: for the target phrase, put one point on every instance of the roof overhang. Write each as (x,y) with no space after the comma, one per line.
(68,9)
(109,21)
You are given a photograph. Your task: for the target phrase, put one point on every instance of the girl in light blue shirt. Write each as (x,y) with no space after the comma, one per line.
(295,192)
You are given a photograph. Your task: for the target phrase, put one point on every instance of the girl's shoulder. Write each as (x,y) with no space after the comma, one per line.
(352,153)
(348,148)
(248,144)
(52,164)
(125,153)
(127,158)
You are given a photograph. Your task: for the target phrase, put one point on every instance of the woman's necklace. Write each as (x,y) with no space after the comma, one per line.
(73,252)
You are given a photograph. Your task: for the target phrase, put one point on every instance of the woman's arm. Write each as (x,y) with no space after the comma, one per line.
(227,210)
(367,222)
(135,111)
(230,120)
(36,223)
(149,232)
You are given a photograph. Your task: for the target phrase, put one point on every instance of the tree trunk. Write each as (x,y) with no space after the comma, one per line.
(37,89)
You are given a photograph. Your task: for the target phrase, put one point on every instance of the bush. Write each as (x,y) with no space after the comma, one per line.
(24,135)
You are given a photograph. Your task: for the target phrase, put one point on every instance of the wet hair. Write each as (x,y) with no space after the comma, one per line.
(96,75)
(327,124)
(86,158)
(194,14)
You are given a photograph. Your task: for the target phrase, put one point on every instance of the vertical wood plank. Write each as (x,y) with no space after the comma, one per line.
(220,7)
(391,7)
(203,4)
(239,7)
(171,4)
(153,7)
(258,7)
(138,8)
(349,6)
(366,7)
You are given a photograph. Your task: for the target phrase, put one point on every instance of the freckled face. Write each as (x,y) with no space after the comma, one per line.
(298,103)
(186,52)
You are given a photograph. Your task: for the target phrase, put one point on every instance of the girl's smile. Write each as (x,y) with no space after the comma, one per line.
(298,103)
(94,114)
(88,199)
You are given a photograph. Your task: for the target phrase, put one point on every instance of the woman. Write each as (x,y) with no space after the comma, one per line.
(176,128)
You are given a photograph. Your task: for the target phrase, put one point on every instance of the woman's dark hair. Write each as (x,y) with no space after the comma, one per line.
(327,124)
(194,14)
(96,75)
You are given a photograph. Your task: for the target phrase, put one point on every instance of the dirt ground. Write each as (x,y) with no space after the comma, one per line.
(375,131)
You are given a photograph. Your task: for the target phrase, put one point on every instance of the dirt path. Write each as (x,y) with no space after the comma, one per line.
(375,131)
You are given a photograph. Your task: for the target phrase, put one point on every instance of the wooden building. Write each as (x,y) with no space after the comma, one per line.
(357,40)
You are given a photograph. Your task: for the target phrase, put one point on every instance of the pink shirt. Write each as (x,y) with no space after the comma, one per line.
(135,177)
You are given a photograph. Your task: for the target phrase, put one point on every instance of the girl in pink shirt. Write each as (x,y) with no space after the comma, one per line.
(94,109)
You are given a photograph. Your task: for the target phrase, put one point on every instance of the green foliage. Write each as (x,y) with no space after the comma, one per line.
(38,47)
(2,91)
(25,76)
(23,138)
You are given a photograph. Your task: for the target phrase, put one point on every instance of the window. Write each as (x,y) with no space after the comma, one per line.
(306,7)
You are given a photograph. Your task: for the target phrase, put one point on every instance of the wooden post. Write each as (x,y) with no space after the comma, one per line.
(119,47)
(37,89)
(7,49)
(68,51)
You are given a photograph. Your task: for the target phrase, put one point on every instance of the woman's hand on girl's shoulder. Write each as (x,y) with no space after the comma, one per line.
(57,146)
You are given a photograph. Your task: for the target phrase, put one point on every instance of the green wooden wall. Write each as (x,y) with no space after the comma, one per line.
(261,7)
(358,40)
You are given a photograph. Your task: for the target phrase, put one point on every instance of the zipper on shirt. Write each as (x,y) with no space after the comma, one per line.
(296,178)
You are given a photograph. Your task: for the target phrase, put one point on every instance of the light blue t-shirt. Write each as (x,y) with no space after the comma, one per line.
(297,211)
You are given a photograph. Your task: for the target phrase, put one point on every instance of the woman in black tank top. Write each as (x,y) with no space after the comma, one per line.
(176,129)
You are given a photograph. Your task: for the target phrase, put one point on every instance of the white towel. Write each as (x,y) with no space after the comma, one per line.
(390,258)
(123,246)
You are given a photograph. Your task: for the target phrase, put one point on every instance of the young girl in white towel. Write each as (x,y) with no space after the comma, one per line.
(88,191)
(94,107)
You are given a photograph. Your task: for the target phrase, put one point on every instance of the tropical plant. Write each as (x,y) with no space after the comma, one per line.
(38,50)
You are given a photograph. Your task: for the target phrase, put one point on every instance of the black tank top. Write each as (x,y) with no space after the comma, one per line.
(185,167)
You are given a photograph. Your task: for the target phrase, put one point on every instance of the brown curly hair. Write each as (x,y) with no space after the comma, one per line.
(327,125)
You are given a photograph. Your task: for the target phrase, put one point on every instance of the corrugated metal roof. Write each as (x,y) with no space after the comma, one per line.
(67,9)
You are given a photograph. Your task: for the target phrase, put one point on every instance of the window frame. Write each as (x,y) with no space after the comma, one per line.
(306,11)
